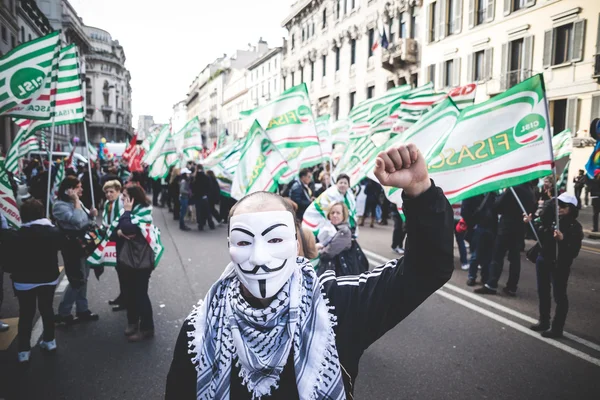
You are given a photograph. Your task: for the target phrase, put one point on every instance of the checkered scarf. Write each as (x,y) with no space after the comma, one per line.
(227,330)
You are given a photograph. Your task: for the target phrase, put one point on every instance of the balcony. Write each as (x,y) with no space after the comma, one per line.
(512,78)
(400,52)
(106,108)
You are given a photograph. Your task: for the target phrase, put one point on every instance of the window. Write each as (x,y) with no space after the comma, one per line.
(391,30)
(293,83)
(4,34)
(337,9)
(312,71)
(390,85)
(558,114)
(450,15)
(431,20)
(269,66)
(564,44)
(478,66)
(22,34)
(371,41)
(262,73)
(480,12)
(336,108)
(413,22)
(371,92)
(352,99)
(293,39)
(414,80)
(337,59)
(303,35)
(352,51)
(324,60)
(516,61)
(448,73)
(301,74)
(29,37)
(518,4)
(285,83)
(313,28)
(324,18)
(402,26)
(13,41)
(345,7)
(431,74)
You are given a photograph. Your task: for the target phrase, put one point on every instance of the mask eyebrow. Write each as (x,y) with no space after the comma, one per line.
(269,229)
(243,231)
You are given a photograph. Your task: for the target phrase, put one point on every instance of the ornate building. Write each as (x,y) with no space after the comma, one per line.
(108,91)
(330,47)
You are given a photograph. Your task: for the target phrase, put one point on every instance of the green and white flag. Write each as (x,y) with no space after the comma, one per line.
(188,140)
(30,144)
(8,204)
(514,147)
(157,141)
(60,175)
(425,134)
(323,124)
(261,165)
(315,215)
(413,107)
(288,121)
(562,143)
(67,106)
(26,74)
(92,152)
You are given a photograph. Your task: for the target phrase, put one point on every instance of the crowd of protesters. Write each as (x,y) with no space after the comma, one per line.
(489,228)
(72,229)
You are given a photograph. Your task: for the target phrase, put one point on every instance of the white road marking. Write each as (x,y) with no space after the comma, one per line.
(62,285)
(521,328)
(499,307)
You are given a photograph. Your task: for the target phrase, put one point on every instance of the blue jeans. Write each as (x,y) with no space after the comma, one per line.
(183,208)
(77,296)
(482,246)
(462,249)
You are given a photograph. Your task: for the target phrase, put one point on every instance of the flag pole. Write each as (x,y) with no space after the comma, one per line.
(50,168)
(85,134)
(553,161)
(525,212)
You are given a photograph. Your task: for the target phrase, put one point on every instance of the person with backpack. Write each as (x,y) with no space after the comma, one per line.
(553,266)
(34,273)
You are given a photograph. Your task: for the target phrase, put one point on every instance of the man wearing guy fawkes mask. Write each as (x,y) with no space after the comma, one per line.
(270,329)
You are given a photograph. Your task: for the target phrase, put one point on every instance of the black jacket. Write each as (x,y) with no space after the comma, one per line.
(200,186)
(32,253)
(366,308)
(479,211)
(215,191)
(511,215)
(594,187)
(569,247)
(300,195)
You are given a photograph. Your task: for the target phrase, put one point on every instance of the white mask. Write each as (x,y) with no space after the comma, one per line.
(263,246)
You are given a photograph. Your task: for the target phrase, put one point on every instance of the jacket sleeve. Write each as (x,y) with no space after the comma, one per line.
(181,380)
(372,303)
(340,242)
(74,217)
(126,226)
(571,244)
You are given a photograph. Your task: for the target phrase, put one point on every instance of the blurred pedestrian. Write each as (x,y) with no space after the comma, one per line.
(174,180)
(300,192)
(215,196)
(34,273)
(399,233)
(3,230)
(372,190)
(579,181)
(594,189)
(185,193)
(552,272)
(201,190)
(325,181)
(478,213)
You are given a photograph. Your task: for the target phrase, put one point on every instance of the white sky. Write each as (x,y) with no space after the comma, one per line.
(167,43)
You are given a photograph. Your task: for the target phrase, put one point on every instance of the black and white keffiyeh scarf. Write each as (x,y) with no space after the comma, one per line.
(227,330)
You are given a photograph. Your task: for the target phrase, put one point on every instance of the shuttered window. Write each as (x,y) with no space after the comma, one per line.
(564,44)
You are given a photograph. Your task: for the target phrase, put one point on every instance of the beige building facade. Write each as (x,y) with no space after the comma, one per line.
(499,43)
(330,47)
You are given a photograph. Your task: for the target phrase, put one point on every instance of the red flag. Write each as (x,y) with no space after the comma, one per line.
(129,151)
(135,163)
(69,161)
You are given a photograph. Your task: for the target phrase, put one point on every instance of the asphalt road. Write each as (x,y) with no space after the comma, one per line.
(456,345)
